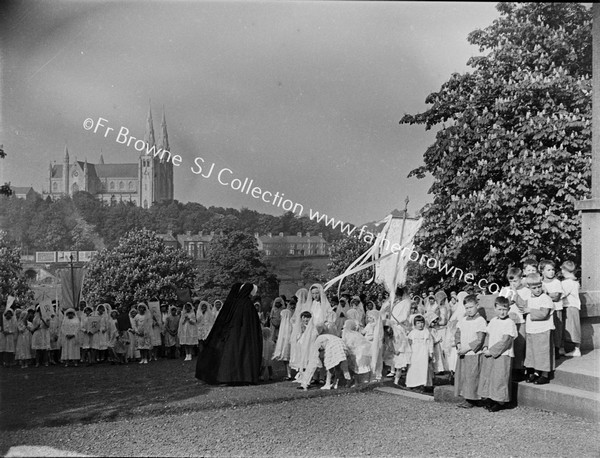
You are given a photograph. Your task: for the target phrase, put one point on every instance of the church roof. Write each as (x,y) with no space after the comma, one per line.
(21,189)
(182,238)
(102,170)
(116,170)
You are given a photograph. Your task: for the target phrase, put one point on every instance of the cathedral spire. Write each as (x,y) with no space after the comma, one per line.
(149,135)
(66,172)
(165,136)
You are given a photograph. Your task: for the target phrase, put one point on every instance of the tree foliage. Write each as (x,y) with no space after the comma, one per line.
(233,258)
(514,150)
(139,267)
(12,280)
(5,188)
(343,253)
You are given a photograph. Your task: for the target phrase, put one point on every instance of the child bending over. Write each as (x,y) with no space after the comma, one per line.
(329,351)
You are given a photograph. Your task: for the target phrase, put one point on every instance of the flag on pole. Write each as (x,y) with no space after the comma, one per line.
(71,280)
(389,254)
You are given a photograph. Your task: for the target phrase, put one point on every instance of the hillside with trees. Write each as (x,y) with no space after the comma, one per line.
(83,222)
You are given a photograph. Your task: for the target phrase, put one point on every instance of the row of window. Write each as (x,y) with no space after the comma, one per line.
(112,186)
(293,252)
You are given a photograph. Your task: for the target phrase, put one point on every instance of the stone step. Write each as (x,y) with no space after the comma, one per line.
(551,397)
(582,373)
(559,398)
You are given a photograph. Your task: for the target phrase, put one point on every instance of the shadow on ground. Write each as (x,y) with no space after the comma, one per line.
(58,396)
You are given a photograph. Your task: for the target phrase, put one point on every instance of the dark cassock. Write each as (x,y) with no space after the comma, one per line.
(232,352)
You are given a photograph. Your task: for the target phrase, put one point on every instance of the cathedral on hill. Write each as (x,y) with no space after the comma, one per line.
(144,183)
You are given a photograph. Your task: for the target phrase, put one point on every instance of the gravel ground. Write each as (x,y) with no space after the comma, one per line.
(348,424)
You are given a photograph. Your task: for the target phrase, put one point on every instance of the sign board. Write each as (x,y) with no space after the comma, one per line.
(45,256)
(86,256)
(65,256)
(47,310)
(93,324)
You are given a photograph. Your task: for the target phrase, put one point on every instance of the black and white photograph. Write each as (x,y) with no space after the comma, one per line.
(299,228)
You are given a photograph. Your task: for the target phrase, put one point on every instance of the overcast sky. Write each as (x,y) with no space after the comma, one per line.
(302,97)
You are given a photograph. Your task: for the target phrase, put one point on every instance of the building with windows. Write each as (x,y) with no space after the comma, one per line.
(196,245)
(145,182)
(293,245)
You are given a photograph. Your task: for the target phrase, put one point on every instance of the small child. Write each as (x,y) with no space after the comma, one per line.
(9,332)
(171,327)
(530,266)
(40,339)
(553,288)
(369,329)
(301,343)
(494,382)
(572,306)
(517,294)
(188,331)
(100,334)
(142,326)
(329,351)
(437,335)
(23,348)
(122,341)
(539,352)
(469,339)
(420,371)
(69,333)
(268,347)
(401,350)
(86,337)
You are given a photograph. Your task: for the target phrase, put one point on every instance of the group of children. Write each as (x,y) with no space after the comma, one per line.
(536,320)
(45,335)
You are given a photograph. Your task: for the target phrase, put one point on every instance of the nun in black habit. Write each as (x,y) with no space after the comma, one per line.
(232,352)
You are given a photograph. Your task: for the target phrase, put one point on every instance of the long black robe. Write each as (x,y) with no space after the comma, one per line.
(232,352)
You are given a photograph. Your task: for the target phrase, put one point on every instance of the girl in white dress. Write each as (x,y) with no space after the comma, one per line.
(295,348)
(188,331)
(419,372)
(23,349)
(204,321)
(69,338)
(40,340)
(142,326)
(283,345)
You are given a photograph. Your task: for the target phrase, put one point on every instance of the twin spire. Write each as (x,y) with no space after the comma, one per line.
(149,134)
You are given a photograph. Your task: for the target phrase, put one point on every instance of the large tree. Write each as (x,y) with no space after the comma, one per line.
(139,267)
(514,150)
(12,281)
(233,258)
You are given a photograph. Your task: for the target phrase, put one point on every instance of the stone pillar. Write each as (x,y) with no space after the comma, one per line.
(590,237)
(590,211)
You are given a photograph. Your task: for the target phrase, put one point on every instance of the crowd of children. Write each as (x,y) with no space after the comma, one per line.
(536,321)
(349,340)
(46,335)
